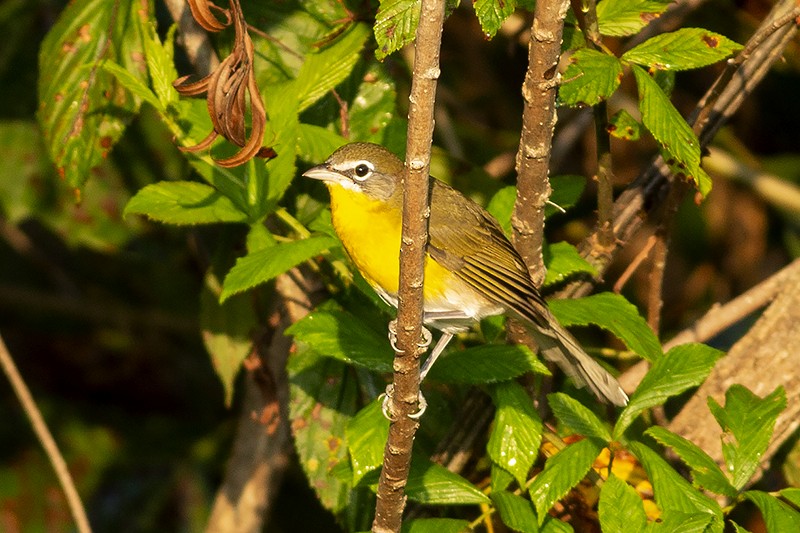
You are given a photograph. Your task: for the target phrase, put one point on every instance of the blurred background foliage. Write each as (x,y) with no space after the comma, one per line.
(101,312)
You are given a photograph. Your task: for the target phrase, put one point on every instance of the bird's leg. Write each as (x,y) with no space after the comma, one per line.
(427,337)
(444,340)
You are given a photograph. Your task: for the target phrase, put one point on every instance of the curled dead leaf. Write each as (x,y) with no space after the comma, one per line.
(227,89)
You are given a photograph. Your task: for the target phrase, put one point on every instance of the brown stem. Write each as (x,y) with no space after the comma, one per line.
(46,439)
(405,397)
(538,121)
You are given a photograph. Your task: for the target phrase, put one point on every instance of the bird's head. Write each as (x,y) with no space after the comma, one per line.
(362,167)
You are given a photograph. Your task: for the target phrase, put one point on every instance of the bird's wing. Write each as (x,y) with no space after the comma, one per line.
(469,242)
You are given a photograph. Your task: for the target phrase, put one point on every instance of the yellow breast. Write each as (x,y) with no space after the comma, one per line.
(370,231)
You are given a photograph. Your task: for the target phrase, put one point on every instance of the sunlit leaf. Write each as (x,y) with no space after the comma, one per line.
(747,422)
(263,265)
(517,431)
(620,509)
(590,77)
(706,474)
(84,109)
(183,203)
(488,363)
(614,313)
(686,48)
(561,472)
(577,417)
(683,367)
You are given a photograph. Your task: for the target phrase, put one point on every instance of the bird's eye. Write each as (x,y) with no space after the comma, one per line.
(362,170)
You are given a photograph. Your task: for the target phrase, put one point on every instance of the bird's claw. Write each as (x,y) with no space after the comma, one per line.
(386,405)
(427,337)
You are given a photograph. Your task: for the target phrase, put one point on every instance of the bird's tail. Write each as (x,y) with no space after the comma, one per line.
(559,346)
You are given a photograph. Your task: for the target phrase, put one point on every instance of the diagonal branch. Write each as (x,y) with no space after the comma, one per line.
(46,439)
(397,454)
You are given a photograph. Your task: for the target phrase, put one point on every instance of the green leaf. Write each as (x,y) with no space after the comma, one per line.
(620,508)
(778,516)
(591,77)
(747,422)
(161,63)
(267,182)
(83,111)
(373,108)
(563,260)
(682,368)
(706,474)
(620,18)
(342,336)
(326,69)
(183,203)
(501,478)
(517,431)
(433,484)
(226,330)
(322,401)
(672,492)
(395,25)
(315,143)
(684,49)
(623,126)
(792,495)
(667,126)
(501,205)
(516,512)
(366,436)
(567,190)
(574,415)
(263,265)
(132,84)
(492,13)
(561,472)
(552,524)
(614,313)
(23,161)
(489,363)
(435,525)
(679,522)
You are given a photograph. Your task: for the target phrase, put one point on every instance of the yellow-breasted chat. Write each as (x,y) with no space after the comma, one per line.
(471,271)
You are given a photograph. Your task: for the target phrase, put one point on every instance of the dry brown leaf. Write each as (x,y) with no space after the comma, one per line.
(227,89)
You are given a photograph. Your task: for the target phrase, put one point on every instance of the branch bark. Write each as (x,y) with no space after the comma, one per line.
(538,122)
(416,210)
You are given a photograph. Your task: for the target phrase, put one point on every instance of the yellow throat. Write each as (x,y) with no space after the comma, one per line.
(371,232)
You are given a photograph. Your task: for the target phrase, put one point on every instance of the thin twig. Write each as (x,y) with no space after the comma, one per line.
(46,438)
(634,265)
(405,397)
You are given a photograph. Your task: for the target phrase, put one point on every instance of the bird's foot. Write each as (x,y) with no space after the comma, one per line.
(427,337)
(386,405)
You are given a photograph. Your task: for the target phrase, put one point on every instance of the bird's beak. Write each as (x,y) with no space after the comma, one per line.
(323,173)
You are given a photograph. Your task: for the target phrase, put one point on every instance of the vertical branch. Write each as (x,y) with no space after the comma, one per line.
(46,439)
(416,210)
(538,123)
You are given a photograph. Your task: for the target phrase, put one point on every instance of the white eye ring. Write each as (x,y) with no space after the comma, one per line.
(362,170)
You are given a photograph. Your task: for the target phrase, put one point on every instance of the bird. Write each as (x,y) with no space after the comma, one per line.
(472,270)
